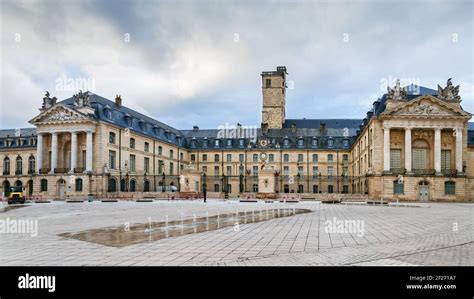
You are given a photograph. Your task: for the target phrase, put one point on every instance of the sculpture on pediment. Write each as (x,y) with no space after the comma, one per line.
(48,102)
(425,108)
(62,115)
(82,99)
(449,93)
(397,93)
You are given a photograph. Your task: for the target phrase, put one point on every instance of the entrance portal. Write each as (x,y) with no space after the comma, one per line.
(424,191)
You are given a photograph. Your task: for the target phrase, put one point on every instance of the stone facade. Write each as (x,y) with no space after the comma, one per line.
(409,147)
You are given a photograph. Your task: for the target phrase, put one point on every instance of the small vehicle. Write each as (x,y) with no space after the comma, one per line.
(15,195)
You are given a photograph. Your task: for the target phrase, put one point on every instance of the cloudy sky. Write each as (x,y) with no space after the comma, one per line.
(199,62)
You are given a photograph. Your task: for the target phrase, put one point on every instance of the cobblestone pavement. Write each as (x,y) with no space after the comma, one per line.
(417,234)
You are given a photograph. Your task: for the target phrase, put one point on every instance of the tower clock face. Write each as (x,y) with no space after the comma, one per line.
(263,156)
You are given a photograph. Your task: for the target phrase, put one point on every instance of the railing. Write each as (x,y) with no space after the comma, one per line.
(397,170)
(31,171)
(61,170)
(449,172)
(44,170)
(18,172)
(79,170)
(424,171)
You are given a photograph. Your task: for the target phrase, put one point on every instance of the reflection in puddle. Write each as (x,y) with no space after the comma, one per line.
(121,236)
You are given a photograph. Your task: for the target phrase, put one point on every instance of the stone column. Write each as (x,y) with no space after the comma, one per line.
(408,150)
(459,150)
(73,151)
(437,151)
(54,152)
(386,149)
(39,153)
(89,147)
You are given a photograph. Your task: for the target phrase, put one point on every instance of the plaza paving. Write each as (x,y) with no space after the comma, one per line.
(417,234)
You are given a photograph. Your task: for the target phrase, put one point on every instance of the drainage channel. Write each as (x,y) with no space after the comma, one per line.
(121,236)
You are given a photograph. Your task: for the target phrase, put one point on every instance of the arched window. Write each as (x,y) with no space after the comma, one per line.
(122,185)
(31,164)
(112,185)
(146,186)
(398,187)
(112,137)
(449,188)
(44,185)
(132,186)
(78,185)
(6,166)
(19,165)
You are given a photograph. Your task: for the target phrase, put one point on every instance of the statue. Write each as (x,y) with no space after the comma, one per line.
(449,93)
(396,93)
(82,99)
(48,102)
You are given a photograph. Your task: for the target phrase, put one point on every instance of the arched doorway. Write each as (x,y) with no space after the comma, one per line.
(424,190)
(30,187)
(132,186)
(6,187)
(112,185)
(61,187)
(146,186)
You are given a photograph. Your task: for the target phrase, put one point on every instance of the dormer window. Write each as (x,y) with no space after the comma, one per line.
(128,119)
(229,142)
(301,142)
(108,112)
(217,143)
(241,142)
(286,142)
(204,143)
(314,143)
(142,124)
(156,129)
(330,143)
(193,142)
(346,143)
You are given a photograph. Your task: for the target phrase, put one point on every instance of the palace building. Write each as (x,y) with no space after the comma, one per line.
(414,143)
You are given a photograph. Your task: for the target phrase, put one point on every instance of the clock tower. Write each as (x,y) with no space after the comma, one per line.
(274,93)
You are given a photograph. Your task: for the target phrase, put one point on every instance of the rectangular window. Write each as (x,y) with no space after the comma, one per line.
(271,157)
(286,170)
(216,170)
(398,188)
(268,82)
(315,157)
(204,157)
(216,158)
(300,157)
(330,189)
(255,157)
(171,168)
(450,188)
(78,185)
(204,169)
(171,154)
(300,170)
(445,159)
(241,157)
(345,189)
(112,164)
(330,171)
(146,147)
(395,155)
(44,185)
(315,171)
(229,157)
(315,188)
(330,158)
(286,157)
(160,150)
(229,170)
(160,166)
(419,158)
(146,163)
(132,162)
(255,170)
(193,157)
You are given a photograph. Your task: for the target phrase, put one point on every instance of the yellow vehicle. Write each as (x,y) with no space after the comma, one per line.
(15,195)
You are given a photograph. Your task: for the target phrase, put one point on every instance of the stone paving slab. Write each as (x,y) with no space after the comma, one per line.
(430,234)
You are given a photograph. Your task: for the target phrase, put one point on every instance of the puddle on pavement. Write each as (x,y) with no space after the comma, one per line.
(121,236)
(8,208)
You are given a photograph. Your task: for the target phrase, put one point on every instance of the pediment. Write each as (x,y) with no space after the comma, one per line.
(59,113)
(427,106)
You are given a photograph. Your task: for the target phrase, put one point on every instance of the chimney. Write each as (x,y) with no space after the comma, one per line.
(118,100)
(195,128)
